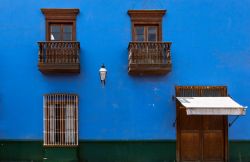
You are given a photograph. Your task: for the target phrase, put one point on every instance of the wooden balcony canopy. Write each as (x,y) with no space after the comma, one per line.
(149,57)
(211,106)
(59,57)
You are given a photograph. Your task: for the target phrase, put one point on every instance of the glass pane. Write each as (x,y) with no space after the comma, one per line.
(55,28)
(67,28)
(139,30)
(55,36)
(55,32)
(67,36)
(152,33)
(139,33)
(140,38)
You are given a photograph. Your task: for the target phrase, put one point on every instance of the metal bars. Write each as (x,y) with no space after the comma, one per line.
(60,120)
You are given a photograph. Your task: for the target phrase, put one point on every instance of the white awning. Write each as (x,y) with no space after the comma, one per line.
(211,106)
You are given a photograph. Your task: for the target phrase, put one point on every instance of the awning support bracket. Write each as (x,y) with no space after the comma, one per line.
(174,123)
(231,123)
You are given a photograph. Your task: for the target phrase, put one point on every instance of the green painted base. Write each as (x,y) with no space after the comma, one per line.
(60,154)
(139,151)
(107,151)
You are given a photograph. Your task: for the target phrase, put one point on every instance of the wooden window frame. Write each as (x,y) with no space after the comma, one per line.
(146,29)
(61,25)
(146,18)
(60,16)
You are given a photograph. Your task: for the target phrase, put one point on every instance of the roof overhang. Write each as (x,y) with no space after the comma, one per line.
(211,106)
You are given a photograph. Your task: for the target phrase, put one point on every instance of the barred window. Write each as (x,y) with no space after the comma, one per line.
(60,120)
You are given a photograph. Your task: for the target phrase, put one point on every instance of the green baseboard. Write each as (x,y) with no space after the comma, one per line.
(21,151)
(239,151)
(131,151)
(106,151)
(60,154)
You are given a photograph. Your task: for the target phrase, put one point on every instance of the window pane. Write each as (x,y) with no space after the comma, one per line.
(67,28)
(139,30)
(58,123)
(67,36)
(55,36)
(55,28)
(139,33)
(152,33)
(140,38)
(55,32)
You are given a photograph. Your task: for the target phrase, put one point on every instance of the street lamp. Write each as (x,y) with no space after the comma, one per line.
(103,74)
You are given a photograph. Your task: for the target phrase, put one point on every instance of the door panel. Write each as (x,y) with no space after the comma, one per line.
(189,122)
(213,122)
(201,140)
(190,149)
(213,145)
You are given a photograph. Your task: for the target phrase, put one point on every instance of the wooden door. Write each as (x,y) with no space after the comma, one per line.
(200,138)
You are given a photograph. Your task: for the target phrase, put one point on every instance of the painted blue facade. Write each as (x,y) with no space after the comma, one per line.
(210,47)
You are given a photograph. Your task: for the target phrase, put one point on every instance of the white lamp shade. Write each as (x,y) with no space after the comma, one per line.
(103,72)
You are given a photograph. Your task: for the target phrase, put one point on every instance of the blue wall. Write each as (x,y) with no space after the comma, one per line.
(211,46)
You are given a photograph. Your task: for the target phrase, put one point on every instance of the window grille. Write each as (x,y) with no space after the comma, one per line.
(60,120)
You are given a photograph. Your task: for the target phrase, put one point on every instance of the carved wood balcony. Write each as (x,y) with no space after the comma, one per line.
(149,57)
(59,57)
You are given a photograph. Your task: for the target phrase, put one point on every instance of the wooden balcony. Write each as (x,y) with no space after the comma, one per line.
(59,57)
(149,57)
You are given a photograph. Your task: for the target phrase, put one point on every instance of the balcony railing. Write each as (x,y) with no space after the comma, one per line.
(149,57)
(59,57)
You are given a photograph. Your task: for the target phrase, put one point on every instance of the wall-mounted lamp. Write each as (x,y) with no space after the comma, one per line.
(103,74)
